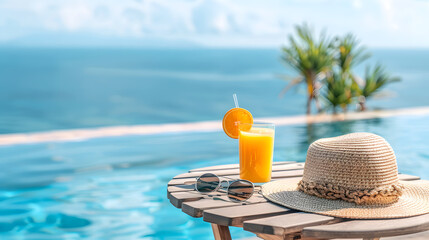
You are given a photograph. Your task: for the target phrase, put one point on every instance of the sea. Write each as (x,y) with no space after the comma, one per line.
(44,89)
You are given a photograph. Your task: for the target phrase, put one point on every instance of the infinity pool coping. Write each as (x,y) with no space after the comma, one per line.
(205,126)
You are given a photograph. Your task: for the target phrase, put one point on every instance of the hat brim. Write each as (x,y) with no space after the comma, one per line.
(414,201)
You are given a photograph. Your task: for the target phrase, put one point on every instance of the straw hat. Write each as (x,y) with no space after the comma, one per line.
(351,176)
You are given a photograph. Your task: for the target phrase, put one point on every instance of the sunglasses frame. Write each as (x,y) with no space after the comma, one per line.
(219,185)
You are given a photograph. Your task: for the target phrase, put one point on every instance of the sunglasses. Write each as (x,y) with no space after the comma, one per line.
(237,190)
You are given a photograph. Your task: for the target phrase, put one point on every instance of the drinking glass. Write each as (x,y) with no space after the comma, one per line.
(256,146)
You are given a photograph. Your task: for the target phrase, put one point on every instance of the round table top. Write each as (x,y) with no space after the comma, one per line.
(264,218)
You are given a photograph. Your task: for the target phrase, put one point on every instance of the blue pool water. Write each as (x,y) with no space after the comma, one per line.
(47,89)
(115,188)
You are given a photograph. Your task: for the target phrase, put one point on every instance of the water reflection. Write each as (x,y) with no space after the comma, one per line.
(313,132)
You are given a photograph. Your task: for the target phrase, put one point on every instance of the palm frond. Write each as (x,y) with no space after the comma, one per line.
(308,55)
(338,91)
(350,52)
(376,79)
(291,84)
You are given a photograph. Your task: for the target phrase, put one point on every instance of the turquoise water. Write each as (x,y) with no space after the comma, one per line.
(115,188)
(46,89)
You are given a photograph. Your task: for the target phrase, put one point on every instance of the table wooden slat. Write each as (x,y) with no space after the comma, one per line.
(187,181)
(236,171)
(177,198)
(286,224)
(230,166)
(287,174)
(275,176)
(369,228)
(234,216)
(180,188)
(196,208)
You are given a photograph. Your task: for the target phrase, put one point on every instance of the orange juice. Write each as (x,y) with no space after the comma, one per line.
(256,147)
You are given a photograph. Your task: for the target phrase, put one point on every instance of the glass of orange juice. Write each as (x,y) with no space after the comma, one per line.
(256,146)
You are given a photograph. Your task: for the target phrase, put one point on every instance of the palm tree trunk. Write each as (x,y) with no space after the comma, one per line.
(318,106)
(316,88)
(362,106)
(309,99)
(362,103)
(310,79)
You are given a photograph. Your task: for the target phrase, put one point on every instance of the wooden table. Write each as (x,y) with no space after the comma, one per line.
(271,221)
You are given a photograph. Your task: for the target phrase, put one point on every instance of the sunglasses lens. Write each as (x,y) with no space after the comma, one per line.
(240,190)
(208,182)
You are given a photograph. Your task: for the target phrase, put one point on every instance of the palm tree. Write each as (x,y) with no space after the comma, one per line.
(338,91)
(374,80)
(350,54)
(312,58)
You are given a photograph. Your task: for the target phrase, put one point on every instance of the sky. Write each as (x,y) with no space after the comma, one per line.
(209,23)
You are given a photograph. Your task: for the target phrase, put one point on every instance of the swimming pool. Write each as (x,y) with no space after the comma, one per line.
(115,188)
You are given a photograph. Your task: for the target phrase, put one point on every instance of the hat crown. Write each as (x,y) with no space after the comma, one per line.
(355,161)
